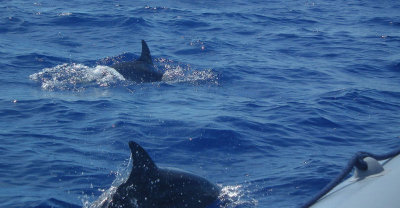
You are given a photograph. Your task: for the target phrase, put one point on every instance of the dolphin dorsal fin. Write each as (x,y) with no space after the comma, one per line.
(145,56)
(142,163)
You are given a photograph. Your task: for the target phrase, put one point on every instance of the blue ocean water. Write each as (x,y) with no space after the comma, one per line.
(268,99)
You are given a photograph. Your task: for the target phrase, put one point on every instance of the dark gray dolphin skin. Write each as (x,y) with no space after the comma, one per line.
(149,186)
(141,70)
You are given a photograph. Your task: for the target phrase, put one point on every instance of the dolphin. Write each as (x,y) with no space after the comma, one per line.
(149,186)
(141,70)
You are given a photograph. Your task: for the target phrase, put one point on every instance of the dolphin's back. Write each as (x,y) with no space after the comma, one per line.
(184,189)
(138,71)
(149,186)
(141,70)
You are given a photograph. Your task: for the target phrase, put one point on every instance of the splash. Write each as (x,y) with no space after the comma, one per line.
(120,177)
(181,73)
(234,197)
(76,77)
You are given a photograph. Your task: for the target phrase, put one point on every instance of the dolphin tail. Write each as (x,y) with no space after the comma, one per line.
(145,56)
(143,165)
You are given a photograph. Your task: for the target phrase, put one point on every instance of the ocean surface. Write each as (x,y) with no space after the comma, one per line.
(267,99)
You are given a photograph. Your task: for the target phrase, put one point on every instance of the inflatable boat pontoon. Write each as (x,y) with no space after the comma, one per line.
(374,184)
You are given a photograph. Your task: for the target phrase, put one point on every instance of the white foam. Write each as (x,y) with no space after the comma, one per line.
(65,14)
(235,196)
(176,74)
(76,77)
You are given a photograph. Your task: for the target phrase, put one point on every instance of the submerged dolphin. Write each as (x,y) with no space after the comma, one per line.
(141,70)
(149,186)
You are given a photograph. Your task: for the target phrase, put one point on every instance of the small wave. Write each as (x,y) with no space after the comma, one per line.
(385,21)
(40,58)
(76,77)
(13,24)
(101,20)
(52,202)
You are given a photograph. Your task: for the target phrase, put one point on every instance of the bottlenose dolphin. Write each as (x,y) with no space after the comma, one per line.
(149,186)
(141,70)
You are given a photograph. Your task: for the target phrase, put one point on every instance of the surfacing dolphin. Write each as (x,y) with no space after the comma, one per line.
(141,70)
(149,186)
